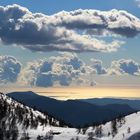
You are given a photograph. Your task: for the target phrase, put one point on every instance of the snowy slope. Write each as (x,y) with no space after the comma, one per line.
(59,133)
(132,121)
(64,133)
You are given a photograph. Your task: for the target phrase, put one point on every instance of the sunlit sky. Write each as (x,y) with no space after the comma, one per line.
(114,72)
(66,93)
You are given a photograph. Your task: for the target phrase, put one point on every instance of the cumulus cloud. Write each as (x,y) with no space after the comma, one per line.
(9,69)
(65,31)
(123,67)
(63,69)
(115,21)
(97,65)
(68,69)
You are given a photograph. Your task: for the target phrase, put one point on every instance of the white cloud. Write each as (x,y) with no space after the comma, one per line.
(9,69)
(97,65)
(64,31)
(67,69)
(62,69)
(123,67)
(114,21)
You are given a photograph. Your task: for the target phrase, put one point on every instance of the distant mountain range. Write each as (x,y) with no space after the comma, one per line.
(75,113)
(135,104)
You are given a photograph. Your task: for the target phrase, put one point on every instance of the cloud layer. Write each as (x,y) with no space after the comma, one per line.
(65,69)
(9,69)
(65,31)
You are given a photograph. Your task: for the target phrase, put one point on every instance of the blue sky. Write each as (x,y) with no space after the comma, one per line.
(129,50)
(53,6)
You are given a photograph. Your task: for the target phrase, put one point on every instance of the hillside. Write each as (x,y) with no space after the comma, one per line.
(19,122)
(69,111)
(126,128)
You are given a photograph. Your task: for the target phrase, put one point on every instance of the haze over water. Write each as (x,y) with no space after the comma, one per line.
(82,92)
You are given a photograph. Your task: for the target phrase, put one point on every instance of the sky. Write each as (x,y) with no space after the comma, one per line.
(69,43)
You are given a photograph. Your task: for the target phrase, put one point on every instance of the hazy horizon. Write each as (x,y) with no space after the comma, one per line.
(66,93)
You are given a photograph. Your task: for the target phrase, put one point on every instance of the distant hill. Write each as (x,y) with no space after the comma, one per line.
(74,112)
(135,104)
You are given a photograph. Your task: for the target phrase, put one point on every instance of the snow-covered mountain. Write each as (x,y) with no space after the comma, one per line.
(19,122)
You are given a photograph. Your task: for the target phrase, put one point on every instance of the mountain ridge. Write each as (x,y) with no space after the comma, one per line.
(135,104)
(71,110)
